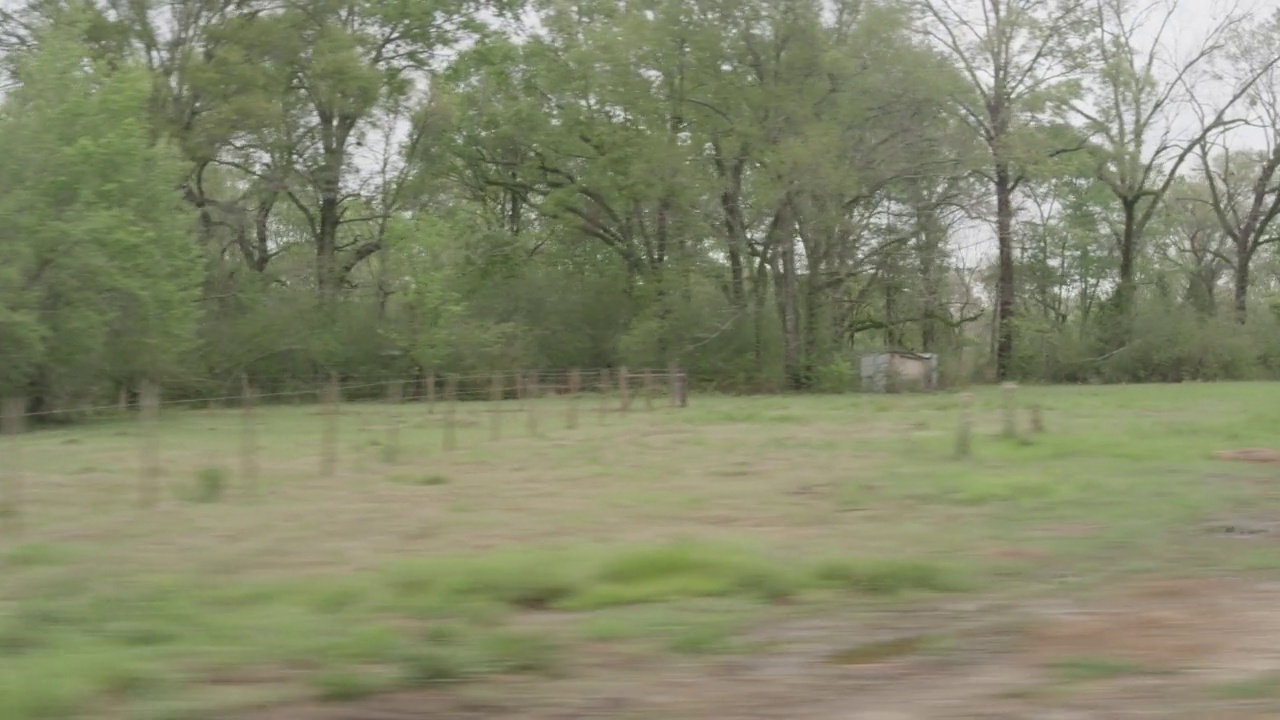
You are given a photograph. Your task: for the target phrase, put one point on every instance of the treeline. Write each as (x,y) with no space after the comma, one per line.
(758,191)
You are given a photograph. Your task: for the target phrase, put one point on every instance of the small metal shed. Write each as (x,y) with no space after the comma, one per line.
(898,371)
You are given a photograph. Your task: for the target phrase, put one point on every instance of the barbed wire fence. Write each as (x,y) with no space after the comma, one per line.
(484,403)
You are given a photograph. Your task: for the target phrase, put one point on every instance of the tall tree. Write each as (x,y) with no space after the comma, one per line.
(1244,185)
(1131,111)
(1020,60)
(101,276)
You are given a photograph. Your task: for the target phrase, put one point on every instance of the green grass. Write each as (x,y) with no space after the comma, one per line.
(671,531)
(1081,669)
(1263,686)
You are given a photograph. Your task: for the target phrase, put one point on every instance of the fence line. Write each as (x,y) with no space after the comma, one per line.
(470,388)
(498,394)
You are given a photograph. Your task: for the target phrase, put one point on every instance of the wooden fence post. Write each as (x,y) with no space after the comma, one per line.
(450,439)
(248,438)
(149,479)
(606,386)
(648,389)
(431,393)
(12,414)
(532,390)
(395,396)
(681,389)
(496,388)
(330,397)
(1037,419)
(1010,410)
(964,431)
(575,386)
(624,389)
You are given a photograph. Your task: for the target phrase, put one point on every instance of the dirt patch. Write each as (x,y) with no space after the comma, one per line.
(1169,639)
(1215,627)
(1253,455)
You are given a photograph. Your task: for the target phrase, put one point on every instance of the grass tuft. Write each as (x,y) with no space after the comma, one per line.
(36,554)
(343,685)
(887,577)
(1080,669)
(432,665)
(428,480)
(210,485)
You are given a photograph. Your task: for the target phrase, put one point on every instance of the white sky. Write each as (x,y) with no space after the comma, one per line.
(1192,20)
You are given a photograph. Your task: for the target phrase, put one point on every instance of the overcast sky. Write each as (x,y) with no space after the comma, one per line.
(1192,20)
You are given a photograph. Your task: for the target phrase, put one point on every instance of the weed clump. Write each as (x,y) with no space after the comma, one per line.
(886,577)
(429,480)
(348,685)
(210,485)
(431,665)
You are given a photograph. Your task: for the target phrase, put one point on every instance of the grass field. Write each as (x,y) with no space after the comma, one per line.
(814,557)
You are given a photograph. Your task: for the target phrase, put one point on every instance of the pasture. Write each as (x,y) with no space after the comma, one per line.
(766,557)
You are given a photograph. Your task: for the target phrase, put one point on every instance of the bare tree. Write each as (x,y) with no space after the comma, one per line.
(1136,94)
(1244,185)
(1019,58)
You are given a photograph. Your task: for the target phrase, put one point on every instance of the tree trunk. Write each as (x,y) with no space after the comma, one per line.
(788,307)
(1126,290)
(1004,286)
(930,241)
(327,247)
(734,228)
(1243,258)
(814,328)
(334,132)
(658,270)
(814,336)
(760,292)
(1200,291)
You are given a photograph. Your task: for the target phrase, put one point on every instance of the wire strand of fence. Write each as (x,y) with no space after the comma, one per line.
(468,387)
(348,421)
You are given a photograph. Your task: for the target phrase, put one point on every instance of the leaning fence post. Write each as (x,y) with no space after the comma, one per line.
(331,396)
(248,438)
(12,414)
(149,479)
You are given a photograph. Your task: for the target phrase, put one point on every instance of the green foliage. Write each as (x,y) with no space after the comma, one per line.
(272,191)
(102,277)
